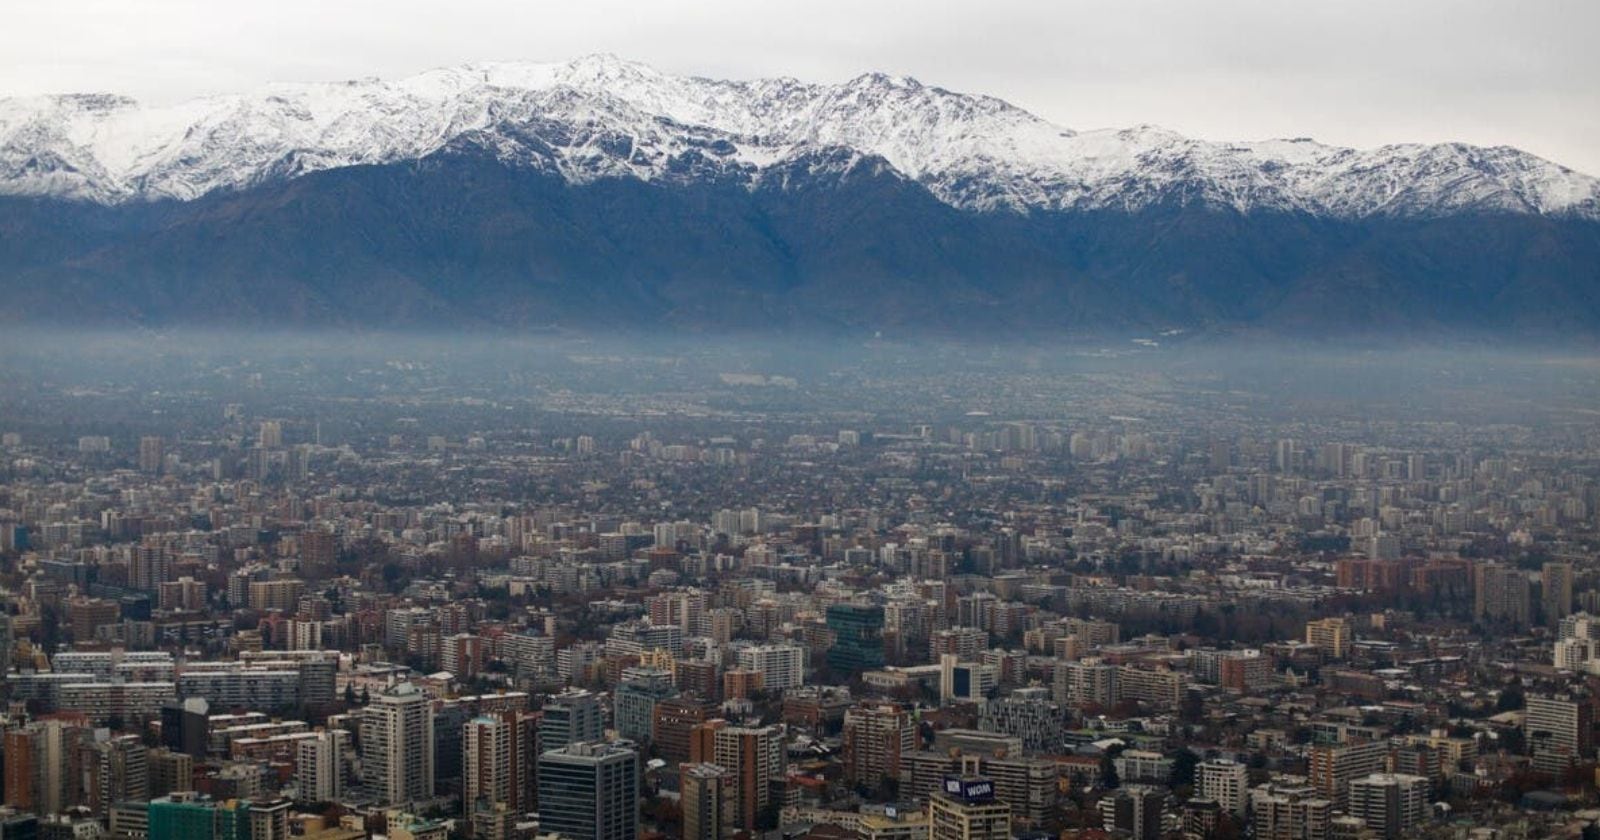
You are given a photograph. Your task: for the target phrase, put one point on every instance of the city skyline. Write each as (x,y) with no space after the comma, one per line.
(697,420)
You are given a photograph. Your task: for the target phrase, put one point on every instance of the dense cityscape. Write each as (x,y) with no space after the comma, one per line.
(620,593)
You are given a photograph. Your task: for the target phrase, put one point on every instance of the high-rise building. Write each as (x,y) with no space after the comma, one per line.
(967,681)
(781,665)
(1334,765)
(449,727)
(742,683)
(875,736)
(86,615)
(42,766)
(1029,714)
(1135,810)
(497,761)
(1419,758)
(1329,635)
(1159,687)
(1093,632)
(575,661)
(184,594)
(182,816)
(186,727)
(755,756)
(319,766)
(1560,723)
(1225,781)
(1390,803)
(20,783)
(1556,579)
(637,637)
(635,698)
(590,791)
(681,609)
(529,655)
(170,772)
(319,554)
(127,821)
(397,745)
(858,638)
(571,717)
(282,594)
(271,434)
(149,567)
(922,772)
(708,798)
(464,655)
(1201,818)
(965,643)
(1027,783)
(114,770)
(1500,594)
(152,455)
(237,684)
(977,610)
(1084,682)
(674,719)
(1289,813)
(965,809)
(1285,456)
(268,819)
(397,624)
(319,677)
(486,761)
(696,676)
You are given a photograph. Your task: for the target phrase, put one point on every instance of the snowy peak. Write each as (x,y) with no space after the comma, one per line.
(600,116)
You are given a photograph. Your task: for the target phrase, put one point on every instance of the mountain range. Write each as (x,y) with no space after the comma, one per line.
(601,193)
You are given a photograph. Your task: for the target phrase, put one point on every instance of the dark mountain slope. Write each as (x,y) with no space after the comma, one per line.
(835,241)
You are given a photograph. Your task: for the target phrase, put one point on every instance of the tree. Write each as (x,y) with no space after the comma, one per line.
(50,628)
(394,576)
(1192,709)
(1183,767)
(1108,771)
(1511,698)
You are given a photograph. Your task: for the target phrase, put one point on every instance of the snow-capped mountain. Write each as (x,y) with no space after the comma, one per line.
(601,193)
(600,118)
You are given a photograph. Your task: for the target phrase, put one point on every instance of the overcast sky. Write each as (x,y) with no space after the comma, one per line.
(1353,72)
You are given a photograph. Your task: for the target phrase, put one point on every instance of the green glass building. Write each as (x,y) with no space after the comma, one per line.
(182,819)
(858,638)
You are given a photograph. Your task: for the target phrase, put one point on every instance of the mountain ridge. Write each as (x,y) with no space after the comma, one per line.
(600,194)
(600,116)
